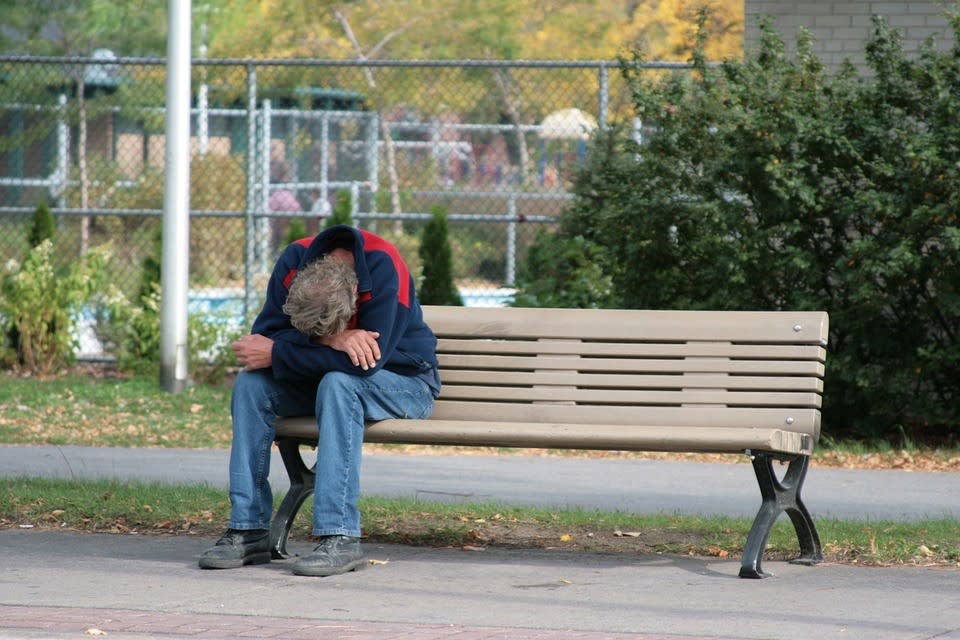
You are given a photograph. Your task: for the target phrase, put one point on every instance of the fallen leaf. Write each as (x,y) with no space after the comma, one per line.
(925,550)
(196,408)
(566,537)
(93,631)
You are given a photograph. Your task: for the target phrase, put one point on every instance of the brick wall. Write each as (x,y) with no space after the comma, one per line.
(840,29)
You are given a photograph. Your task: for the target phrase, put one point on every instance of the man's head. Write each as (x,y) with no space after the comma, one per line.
(323,297)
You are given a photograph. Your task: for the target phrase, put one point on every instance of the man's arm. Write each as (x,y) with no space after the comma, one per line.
(360,345)
(255,351)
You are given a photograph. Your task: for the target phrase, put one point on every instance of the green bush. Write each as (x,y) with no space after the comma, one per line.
(770,184)
(296,230)
(43,227)
(42,304)
(437,286)
(564,272)
(131,333)
(342,210)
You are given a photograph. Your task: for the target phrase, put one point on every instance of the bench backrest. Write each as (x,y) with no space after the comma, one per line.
(740,369)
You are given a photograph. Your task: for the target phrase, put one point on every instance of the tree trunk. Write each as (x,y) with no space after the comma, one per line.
(82,162)
(503,81)
(391,156)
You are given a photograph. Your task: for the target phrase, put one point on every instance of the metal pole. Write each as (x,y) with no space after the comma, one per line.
(59,179)
(250,253)
(175,270)
(265,222)
(511,274)
(604,97)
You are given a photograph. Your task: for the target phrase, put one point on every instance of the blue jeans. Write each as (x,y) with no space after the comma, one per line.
(342,403)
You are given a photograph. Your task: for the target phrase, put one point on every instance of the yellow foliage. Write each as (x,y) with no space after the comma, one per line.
(436,29)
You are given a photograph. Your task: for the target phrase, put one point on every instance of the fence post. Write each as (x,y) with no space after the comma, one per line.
(604,97)
(265,221)
(250,232)
(59,181)
(373,153)
(511,265)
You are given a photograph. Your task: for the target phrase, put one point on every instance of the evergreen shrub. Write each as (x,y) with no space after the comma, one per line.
(772,184)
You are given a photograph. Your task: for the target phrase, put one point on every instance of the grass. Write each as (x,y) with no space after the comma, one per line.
(86,410)
(152,508)
(89,409)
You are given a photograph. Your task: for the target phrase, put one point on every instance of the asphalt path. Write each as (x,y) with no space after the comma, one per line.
(636,485)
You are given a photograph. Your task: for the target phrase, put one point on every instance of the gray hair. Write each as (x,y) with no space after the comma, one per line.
(322,298)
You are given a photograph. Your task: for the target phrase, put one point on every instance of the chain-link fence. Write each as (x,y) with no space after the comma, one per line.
(494,144)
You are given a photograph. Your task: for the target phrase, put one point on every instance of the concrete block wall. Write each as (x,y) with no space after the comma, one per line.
(840,29)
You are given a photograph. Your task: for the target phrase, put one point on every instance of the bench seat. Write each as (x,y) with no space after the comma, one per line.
(636,380)
(547,435)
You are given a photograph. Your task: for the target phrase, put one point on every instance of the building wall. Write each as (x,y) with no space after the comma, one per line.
(840,29)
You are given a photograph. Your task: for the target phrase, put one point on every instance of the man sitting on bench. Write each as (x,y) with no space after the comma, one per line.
(341,336)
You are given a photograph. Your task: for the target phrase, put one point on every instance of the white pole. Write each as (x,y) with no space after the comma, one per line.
(176,203)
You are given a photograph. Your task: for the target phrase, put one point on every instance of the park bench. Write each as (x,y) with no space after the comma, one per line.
(634,380)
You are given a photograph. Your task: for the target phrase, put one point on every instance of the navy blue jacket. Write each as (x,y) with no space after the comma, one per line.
(387,303)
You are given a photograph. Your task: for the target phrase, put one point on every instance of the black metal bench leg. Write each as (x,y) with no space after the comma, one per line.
(778,497)
(301,487)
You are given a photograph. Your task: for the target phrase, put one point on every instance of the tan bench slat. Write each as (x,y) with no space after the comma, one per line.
(805,420)
(721,365)
(617,381)
(632,397)
(613,324)
(559,435)
(635,349)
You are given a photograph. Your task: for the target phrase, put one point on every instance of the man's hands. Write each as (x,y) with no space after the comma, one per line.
(253,351)
(359,344)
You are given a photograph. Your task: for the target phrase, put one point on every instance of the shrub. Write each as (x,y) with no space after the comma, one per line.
(42,304)
(43,226)
(132,334)
(437,286)
(295,231)
(769,184)
(342,210)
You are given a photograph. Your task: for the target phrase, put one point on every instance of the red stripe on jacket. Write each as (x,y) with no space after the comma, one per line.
(372,242)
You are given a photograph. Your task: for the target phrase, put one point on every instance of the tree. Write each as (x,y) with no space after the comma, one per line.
(43,227)
(769,184)
(295,231)
(437,286)
(77,27)
(342,210)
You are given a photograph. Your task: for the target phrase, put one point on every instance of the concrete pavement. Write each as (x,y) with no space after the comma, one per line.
(65,585)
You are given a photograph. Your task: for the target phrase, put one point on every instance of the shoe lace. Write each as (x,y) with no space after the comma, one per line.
(229,537)
(326,543)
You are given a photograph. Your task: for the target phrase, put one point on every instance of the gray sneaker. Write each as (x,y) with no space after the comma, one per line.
(332,556)
(237,548)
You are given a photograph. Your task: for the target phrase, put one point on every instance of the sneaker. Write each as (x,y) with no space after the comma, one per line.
(334,555)
(237,548)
